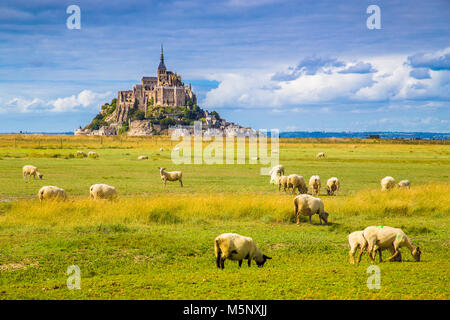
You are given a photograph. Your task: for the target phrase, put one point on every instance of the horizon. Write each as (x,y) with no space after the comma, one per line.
(296,66)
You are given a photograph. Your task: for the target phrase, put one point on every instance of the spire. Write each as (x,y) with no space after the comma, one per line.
(161,63)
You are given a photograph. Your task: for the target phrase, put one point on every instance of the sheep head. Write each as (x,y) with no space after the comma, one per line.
(40,175)
(416,254)
(260,264)
(324,216)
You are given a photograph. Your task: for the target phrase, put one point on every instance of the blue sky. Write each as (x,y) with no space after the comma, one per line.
(302,65)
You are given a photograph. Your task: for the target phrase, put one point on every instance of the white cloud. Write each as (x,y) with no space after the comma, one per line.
(389,80)
(84,99)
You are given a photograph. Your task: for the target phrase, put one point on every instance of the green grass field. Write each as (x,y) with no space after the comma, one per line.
(153,243)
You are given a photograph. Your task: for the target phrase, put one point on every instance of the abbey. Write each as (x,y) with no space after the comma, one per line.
(166,89)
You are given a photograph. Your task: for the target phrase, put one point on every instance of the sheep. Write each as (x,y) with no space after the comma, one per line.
(297,182)
(233,246)
(80,154)
(387,237)
(161,149)
(320,155)
(143,158)
(314,184)
(51,192)
(102,191)
(404,184)
(29,170)
(307,205)
(93,154)
(170,176)
(387,183)
(356,240)
(282,182)
(333,185)
(274,172)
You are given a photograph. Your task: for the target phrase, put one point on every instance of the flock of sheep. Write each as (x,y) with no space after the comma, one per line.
(236,247)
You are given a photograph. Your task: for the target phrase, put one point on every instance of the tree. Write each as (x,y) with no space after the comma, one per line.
(167,122)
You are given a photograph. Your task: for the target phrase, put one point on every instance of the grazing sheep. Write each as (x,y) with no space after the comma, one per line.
(356,240)
(51,192)
(297,182)
(29,171)
(307,205)
(80,154)
(274,172)
(170,176)
(161,149)
(320,155)
(333,185)
(387,183)
(143,158)
(387,237)
(282,182)
(314,184)
(233,246)
(102,191)
(93,154)
(404,184)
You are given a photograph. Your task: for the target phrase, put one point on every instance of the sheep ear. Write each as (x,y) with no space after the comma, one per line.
(264,256)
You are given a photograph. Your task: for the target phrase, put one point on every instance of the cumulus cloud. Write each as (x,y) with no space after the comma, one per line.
(84,99)
(360,67)
(434,61)
(318,80)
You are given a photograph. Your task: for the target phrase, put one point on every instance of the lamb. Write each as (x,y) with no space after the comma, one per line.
(233,246)
(93,154)
(170,176)
(320,155)
(80,154)
(143,158)
(314,184)
(29,170)
(387,237)
(282,182)
(102,191)
(307,205)
(274,172)
(356,240)
(51,192)
(297,182)
(333,185)
(404,184)
(387,183)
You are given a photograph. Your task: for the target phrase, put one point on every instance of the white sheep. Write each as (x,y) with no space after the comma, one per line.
(102,191)
(307,205)
(333,185)
(143,158)
(320,155)
(387,183)
(315,184)
(404,184)
(51,192)
(233,246)
(274,172)
(80,154)
(282,182)
(93,154)
(297,182)
(29,170)
(386,237)
(161,149)
(170,176)
(356,240)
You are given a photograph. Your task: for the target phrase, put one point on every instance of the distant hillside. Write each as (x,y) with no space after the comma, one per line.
(365,134)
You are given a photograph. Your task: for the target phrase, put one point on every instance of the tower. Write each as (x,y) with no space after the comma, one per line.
(162,76)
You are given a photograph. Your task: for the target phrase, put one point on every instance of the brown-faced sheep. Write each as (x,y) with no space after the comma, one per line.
(307,205)
(404,184)
(333,185)
(233,246)
(356,240)
(387,183)
(297,182)
(29,170)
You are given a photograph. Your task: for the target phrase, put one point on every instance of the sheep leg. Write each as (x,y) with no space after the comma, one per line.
(218,260)
(240,263)
(222,263)
(181,182)
(379,254)
(361,251)
(249,261)
(351,254)
(394,255)
(310,220)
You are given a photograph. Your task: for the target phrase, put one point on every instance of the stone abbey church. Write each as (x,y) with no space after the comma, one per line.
(166,89)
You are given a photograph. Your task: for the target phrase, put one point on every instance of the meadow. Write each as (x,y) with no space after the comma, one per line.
(156,243)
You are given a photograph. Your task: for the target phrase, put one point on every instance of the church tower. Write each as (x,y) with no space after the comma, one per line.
(162,76)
